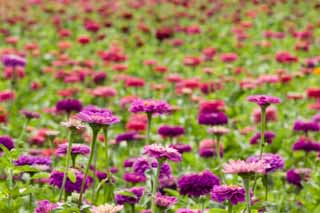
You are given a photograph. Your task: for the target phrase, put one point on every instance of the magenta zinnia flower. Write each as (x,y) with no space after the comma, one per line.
(263,100)
(160,152)
(45,206)
(243,167)
(197,184)
(150,106)
(272,162)
(96,115)
(76,149)
(234,194)
(164,201)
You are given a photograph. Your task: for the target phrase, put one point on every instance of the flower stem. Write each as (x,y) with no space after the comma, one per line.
(218,149)
(246,184)
(229,206)
(263,125)
(66,168)
(266,187)
(93,145)
(149,116)
(155,187)
(109,175)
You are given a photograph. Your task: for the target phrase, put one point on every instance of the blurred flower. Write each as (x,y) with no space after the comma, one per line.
(45,206)
(73,124)
(183,210)
(197,184)
(98,116)
(181,148)
(271,115)
(271,161)
(123,198)
(7,142)
(296,176)
(268,137)
(207,148)
(56,179)
(170,131)
(13,61)
(76,149)
(106,208)
(150,106)
(242,167)
(212,119)
(263,100)
(162,153)
(305,144)
(69,105)
(30,115)
(234,194)
(39,162)
(306,126)
(163,201)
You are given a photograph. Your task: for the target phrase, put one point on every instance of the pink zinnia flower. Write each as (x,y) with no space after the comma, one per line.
(264,100)
(243,167)
(160,152)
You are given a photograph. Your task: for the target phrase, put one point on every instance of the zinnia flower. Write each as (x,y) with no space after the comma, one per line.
(305,144)
(123,198)
(162,153)
(242,167)
(170,131)
(7,142)
(272,162)
(69,105)
(212,119)
(45,206)
(197,184)
(150,106)
(268,137)
(164,201)
(263,100)
(234,194)
(56,179)
(76,149)
(13,61)
(306,126)
(106,208)
(98,116)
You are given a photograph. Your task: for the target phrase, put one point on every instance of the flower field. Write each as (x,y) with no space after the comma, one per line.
(159,106)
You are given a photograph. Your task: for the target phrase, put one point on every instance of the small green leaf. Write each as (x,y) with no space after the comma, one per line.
(26,168)
(72,176)
(216,210)
(172,192)
(40,175)
(127,193)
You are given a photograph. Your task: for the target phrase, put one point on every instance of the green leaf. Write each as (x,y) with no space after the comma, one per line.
(172,192)
(72,176)
(216,210)
(127,193)
(26,168)
(40,175)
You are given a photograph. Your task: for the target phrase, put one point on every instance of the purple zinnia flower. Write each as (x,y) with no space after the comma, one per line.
(197,184)
(264,100)
(234,194)
(45,206)
(36,161)
(96,115)
(29,114)
(296,176)
(213,119)
(164,201)
(76,149)
(7,142)
(124,198)
(306,126)
(183,210)
(56,179)
(132,177)
(69,105)
(272,162)
(305,144)
(141,165)
(181,148)
(127,136)
(150,106)
(160,152)
(268,137)
(13,61)
(170,131)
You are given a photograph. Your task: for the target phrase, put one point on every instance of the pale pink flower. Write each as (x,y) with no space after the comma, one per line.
(243,167)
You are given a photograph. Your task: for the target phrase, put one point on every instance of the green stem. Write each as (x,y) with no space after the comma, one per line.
(132,208)
(149,116)
(266,187)
(246,184)
(95,156)
(66,168)
(229,206)
(93,145)
(218,149)
(155,187)
(203,201)
(110,195)
(263,125)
